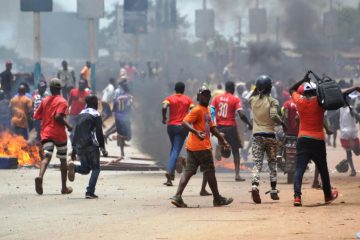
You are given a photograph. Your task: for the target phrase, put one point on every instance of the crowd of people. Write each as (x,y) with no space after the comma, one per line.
(294,112)
(71,105)
(260,112)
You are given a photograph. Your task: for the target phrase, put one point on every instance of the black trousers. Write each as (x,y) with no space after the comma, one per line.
(311,149)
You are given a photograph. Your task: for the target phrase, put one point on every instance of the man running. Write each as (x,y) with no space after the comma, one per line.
(179,105)
(265,118)
(122,109)
(52,111)
(198,122)
(88,138)
(226,106)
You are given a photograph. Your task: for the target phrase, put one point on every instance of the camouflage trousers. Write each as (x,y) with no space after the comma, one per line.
(260,146)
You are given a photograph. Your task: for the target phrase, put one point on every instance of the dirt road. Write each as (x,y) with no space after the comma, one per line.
(134,205)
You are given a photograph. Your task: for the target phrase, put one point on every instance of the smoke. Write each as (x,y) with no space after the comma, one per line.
(302,25)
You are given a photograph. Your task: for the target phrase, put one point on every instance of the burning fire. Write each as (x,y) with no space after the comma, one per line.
(228,163)
(12,145)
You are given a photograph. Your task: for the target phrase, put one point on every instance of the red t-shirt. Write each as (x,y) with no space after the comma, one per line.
(77,99)
(179,105)
(50,128)
(292,113)
(226,106)
(311,116)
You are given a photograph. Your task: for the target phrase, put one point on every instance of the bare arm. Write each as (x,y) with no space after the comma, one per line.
(347,91)
(244,118)
(164,111)
(61,119)
(189,127)
(294,87)
(219,136)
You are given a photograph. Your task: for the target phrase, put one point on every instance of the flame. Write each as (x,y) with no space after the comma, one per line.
(228,163)
(12,145)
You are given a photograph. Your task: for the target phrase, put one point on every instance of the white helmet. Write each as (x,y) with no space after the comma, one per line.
(308,86)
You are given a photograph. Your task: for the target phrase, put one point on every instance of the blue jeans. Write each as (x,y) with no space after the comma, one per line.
(177,135)
(315,150)
(89,161)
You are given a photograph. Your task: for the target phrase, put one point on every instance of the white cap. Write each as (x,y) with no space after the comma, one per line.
(308,86)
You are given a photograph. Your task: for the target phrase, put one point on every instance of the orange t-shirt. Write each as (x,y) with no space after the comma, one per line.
(86,74)
(200,118)
(20,106)
(311,116)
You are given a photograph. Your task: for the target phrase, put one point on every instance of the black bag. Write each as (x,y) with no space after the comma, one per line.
(328,93)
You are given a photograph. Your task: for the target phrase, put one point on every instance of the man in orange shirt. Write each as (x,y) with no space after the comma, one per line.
(198,122)
(86,73)
(21,109)
(310,144)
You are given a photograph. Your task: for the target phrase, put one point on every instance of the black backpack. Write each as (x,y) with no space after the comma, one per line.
(328,93)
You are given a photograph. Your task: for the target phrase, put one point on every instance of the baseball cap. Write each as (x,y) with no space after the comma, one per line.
(55,82)
(204,89)
(8,62)
(308,86)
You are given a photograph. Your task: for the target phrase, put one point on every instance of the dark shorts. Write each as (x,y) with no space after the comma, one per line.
(123,128)
(48,148)
(203,158)
(231,136)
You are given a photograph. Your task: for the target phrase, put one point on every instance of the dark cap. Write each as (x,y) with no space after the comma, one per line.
(42,84)
(204,89)
(55,82)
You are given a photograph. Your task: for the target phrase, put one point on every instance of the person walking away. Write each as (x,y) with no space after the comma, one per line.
(349,132)
(179,105)
(52,112)
(198,122)
(7,79)
(265,118)
(85,74)
(21,111)
(333,118)
(226,107)
(107,97)
(67,76)
(77,103)
(5,112)
(311,139)
(122,109)
(39,95)
(88,140)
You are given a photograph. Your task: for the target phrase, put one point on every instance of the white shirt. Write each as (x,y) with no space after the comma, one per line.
(348,128)
(108,93)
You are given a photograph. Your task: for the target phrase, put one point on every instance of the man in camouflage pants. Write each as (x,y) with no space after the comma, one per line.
(265,117)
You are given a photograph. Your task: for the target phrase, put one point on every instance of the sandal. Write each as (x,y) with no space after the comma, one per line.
(67,190)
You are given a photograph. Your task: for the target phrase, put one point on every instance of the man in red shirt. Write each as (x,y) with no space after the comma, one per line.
(77,102)
(310,144)
(179,105)
(52,111)
(226,106)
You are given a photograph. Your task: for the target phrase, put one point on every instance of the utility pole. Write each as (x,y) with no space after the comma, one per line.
(257,34)
(37,48)
(92,51)
(205,39)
